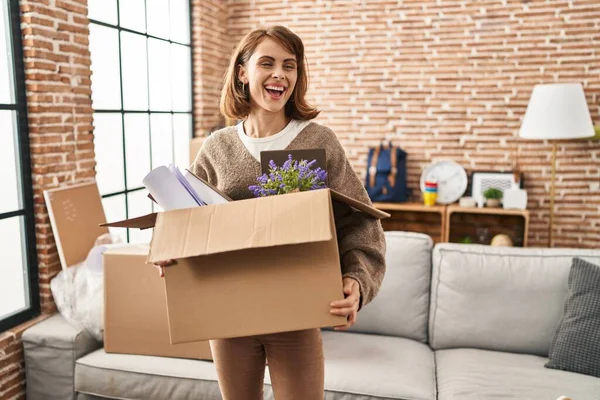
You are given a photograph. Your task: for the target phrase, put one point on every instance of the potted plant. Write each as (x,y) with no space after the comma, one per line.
(493,197)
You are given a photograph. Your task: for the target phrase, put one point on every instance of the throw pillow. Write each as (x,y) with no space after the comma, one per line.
(575,346)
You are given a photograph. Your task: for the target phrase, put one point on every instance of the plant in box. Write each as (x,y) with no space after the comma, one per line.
(292,176)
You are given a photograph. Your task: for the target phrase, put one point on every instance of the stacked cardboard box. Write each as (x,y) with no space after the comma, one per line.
(135,306)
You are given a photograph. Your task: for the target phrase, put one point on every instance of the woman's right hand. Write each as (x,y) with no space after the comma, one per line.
(160,265)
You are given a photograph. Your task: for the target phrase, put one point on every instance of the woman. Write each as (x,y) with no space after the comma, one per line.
(265,87)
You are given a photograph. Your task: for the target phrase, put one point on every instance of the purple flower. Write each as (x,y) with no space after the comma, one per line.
(288,164)
(292,176)
(263,179)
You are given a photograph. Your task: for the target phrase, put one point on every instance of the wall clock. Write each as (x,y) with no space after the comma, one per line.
(451,178)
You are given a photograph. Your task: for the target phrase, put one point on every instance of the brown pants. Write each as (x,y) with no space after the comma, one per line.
(296,365)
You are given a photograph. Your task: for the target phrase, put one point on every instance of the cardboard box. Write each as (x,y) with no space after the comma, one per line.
(131,327)
(75,212)
(250,267)
(135,311)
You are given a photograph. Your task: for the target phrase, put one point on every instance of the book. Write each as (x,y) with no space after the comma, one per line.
(171,189)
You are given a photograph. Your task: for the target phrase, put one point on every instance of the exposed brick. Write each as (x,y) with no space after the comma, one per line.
(432,68)
(15,391)
(38,43)
(6,339)
(11,358)
(12,380)
(81,20)
(211,44)
(72,28)
(80,10)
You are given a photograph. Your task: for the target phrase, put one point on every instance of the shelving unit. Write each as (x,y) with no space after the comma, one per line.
(482,224)
(415,217)
(454,223)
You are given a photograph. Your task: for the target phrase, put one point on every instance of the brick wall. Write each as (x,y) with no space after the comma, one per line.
(57,71)
(452,79)
(210,41)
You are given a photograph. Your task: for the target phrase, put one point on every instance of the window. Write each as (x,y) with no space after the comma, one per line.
(142,98)
(19,290)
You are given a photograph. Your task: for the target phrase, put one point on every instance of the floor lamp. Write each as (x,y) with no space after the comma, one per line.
(556,112)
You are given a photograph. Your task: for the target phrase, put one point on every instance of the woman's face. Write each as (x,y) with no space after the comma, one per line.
(270,75)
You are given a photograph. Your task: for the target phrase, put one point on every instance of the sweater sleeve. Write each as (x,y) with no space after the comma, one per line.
(361,239)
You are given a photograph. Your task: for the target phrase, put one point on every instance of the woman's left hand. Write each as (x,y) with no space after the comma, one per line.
(349,306)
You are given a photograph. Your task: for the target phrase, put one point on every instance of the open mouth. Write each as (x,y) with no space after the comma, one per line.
(275,92)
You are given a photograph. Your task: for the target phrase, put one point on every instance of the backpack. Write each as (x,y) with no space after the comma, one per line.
(386,174)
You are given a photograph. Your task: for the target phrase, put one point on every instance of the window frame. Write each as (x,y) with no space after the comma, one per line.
(20,107)
(122,111)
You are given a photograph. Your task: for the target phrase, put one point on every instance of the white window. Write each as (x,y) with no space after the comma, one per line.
(142,98)
(19,291)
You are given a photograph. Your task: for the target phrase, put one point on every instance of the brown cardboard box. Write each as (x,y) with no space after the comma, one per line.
(75,213)
(250,267)
(135,311)
(132,327)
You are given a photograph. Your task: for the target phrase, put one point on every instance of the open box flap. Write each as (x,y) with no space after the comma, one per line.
(254,223)
(372,211)
(267,222)
(143,222)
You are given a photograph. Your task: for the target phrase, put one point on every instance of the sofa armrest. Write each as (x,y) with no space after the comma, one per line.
(51,349)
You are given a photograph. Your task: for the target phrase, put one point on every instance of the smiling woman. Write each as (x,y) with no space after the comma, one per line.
(276,75)
(268,74)
(265,87)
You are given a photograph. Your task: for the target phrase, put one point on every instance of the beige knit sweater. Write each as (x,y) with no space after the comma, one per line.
(225,162)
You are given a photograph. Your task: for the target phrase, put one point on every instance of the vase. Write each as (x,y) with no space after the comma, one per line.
(515,198)
(493,202)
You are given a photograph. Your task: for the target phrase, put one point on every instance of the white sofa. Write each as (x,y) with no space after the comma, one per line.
(450,322)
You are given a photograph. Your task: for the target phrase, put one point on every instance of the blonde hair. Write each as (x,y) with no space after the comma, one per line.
(235,99)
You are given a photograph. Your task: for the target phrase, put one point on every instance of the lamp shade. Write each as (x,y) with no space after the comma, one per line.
(557,111)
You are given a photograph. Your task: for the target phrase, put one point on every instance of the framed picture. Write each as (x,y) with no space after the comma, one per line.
(480,181)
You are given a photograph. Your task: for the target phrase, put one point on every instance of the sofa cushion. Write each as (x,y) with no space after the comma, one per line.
(122,376)
(360,366)
(402,306)
(357,367)
(576,344)
(482,374)
(499,298)
(50,350)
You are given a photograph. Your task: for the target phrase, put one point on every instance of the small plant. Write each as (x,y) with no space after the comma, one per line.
(293,176)
(466,240)
(492,193)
